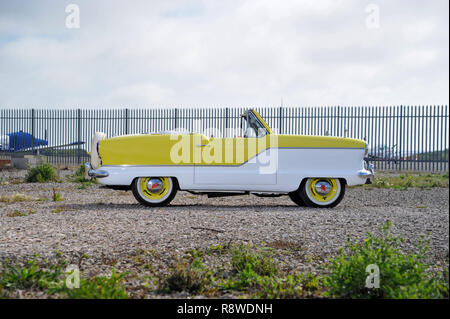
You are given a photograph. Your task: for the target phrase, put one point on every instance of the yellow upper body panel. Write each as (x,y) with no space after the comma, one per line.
(197,149)
(190,149)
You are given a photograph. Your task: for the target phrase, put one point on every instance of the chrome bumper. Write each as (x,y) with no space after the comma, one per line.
(367,173)
(89,172)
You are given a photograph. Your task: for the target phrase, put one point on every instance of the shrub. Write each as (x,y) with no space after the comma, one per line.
(260,261)
(401,275)
(187,275)
(42,173)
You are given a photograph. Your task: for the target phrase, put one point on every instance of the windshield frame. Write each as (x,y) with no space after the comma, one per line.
(260,130)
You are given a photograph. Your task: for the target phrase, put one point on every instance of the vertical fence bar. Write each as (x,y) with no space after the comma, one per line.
(79,136)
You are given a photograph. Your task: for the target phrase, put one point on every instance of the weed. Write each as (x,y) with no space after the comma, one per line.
(3,181)
(51,281)
(79,177)
(30,276)
(285,245)
(405,181)
(257,273)
(16,181)
(42,173)
(4,199)
(56,196)
(258,260)
(187,275)
(83,185)
(100,287)
(57,210)
(17,213)
(401,275)
(18,197)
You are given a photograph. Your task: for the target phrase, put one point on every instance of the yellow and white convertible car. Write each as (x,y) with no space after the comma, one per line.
(312,170)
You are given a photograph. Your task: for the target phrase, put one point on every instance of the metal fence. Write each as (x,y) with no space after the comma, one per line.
(401,137)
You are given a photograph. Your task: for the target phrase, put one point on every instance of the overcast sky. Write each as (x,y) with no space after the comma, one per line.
(186,53)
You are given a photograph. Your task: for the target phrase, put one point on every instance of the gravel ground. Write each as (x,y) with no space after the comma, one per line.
(111,227)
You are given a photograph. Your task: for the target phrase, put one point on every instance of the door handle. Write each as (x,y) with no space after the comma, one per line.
(201,145)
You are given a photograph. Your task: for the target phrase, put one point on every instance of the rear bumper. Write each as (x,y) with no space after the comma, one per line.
(89,172)
(368,172)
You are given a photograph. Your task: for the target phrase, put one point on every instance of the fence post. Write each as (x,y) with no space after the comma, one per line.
(175,118)
(32,128)
(126,121)
(226,126)
(79,136)
(338,120)
(280,120)
(400,141)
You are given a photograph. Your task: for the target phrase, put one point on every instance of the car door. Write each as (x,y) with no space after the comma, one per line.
(234,161)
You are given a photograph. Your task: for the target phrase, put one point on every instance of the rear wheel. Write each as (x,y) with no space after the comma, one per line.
(322,192)
(154,191)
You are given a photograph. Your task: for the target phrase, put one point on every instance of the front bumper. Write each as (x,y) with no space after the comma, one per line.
(368,172)
(89,172)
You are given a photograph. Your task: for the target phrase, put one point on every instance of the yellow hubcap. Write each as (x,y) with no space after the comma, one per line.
(323,189)
(152,189)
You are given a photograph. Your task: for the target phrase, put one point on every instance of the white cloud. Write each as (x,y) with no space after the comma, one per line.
(223,53)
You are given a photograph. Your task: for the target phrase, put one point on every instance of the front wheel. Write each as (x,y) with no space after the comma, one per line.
(154,191)
(322,192)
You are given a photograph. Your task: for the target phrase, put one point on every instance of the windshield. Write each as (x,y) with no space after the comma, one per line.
(252,126)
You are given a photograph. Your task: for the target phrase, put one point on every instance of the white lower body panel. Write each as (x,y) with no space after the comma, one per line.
(291,167)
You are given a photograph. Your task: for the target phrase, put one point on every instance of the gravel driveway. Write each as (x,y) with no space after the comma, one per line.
(110,225)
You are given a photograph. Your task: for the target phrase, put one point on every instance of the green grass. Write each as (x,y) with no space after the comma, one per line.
(51,280)
(78,177)
(405,181)
(30,276)
(257,274)
(18,213)
(17,197)
(100,287)
(44,172)
(401,275)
